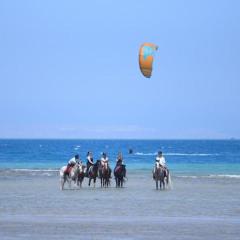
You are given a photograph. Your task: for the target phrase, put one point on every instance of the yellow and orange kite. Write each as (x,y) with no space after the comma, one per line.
(146,54)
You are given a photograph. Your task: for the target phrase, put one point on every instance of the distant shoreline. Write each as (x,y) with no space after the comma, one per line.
(129,139)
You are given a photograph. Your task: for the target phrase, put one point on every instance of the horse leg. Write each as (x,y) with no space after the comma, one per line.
(157,184)
(89,181)
(62,183)
(116,182)
(80,182)
(94,182)
(106,182)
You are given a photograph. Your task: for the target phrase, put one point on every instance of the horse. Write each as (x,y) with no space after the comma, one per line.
(162,176)
(104,175)
(119,174)
(93,173)
(76,175)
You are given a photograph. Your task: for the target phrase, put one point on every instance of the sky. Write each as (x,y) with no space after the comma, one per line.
(69,69)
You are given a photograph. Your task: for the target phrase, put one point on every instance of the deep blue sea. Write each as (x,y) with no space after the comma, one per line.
(184,157)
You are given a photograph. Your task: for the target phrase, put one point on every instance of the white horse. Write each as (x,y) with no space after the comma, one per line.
(76,175)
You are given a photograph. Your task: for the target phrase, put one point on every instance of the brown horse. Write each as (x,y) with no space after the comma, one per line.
(104,175)
(162,176)
(93,173)
(120,174)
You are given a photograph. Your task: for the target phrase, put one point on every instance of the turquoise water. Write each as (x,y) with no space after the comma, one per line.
(184,157)
(203,203)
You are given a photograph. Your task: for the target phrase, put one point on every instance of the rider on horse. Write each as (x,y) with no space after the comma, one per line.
(71,163)
(119,162)
(160,162)
(104,161)
(89,161)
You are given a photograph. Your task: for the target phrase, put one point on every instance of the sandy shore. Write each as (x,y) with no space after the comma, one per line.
(33,207)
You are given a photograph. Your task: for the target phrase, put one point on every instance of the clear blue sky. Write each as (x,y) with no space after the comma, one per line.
(69,69)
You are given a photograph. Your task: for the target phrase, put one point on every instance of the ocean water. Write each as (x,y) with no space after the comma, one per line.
(203,203)
(196,158)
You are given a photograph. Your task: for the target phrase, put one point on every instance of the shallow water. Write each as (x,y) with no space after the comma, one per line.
(32,206)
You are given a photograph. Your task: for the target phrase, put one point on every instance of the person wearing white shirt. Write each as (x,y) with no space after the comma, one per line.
(73,160)
(160,160)
(71,163)
(104,160)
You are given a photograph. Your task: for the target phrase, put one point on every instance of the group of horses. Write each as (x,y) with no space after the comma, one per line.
(78,172)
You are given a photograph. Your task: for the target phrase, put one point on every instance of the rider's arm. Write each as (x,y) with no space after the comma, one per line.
(90,160)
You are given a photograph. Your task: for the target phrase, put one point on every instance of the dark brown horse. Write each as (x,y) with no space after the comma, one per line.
(93,173)
(120,174)
(104,175)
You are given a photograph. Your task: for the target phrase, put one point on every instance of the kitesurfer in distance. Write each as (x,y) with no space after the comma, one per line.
(130,151)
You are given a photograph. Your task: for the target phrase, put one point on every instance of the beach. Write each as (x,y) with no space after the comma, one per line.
(32,206)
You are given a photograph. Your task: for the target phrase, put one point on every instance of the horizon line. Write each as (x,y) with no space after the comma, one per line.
(123,139)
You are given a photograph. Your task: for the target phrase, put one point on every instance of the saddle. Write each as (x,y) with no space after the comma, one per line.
(68,169)
(117,168)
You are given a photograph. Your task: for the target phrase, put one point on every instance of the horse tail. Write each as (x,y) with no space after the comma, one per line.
(125,179)
(170,186)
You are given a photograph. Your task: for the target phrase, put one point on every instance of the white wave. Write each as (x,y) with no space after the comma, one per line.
(32,170)
(177,154)
(210,176)
(191,154)
(47,174)
(187,176)
(224,176)
(145,154)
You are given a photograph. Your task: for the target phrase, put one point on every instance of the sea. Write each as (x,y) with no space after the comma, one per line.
(185,158)
(202,203)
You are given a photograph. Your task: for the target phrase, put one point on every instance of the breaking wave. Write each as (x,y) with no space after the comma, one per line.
(210,176)
(177,154)
(32,170)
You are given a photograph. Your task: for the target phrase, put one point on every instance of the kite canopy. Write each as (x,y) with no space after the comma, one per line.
(146,54)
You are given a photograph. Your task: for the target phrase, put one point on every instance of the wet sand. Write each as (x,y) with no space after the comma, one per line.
(33,207)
